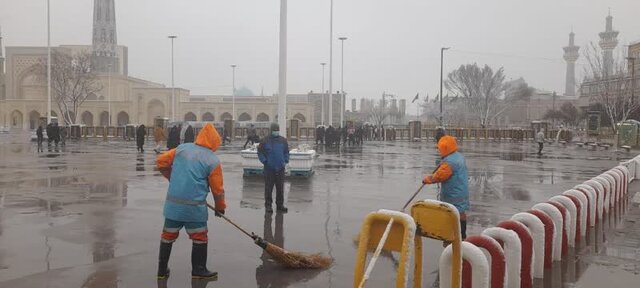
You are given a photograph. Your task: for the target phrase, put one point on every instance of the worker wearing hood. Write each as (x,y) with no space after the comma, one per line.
(193,169)
(452,173)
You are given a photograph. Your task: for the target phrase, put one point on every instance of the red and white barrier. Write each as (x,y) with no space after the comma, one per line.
(536,227)
(475,257)
(512,251)
(526,244)
(592,198)
(496,255)
(606,184)
(613,193)
(572,219)
(558,225)
(599,189)
(583,211)
(549,235)
(617,175)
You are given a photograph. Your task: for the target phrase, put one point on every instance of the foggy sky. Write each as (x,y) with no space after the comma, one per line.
(393,46)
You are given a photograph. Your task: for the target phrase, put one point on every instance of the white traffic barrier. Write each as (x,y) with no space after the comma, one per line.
(475,257)
(627,177)
(608,184)
(584,209)
(496,256)
(512,251)
(620,178)
(592,197)
(599,188)
(573,212)
(558,227)
(615,180)
(537,232)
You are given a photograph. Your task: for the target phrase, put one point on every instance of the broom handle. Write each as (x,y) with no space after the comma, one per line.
(231,222)
(376,254)
(412,197)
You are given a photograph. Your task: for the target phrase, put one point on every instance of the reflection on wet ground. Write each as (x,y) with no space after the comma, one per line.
(90,214)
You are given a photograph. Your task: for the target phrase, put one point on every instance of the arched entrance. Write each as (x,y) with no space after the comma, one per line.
(155,109)
(34,120)
(262,117)
(300,117)
(190,117)
(244,117)
(87,118)
(104,118)
(208,117)
(123,118)
(16,119)
(226,116)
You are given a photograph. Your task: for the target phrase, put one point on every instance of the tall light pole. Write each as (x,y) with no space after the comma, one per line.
(441,72)
(233,95)
(331,65)
(633,78)
(48,61)
(109,96)
(342,82)
(173,84)
(282,71)
(323,94)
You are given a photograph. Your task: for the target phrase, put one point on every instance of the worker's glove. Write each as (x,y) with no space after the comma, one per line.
(427,180)
(219,213)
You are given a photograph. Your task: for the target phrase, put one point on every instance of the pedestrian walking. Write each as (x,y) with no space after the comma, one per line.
(540,140)
(192,169)
(174,137)
(63,136)
(49,134)
(189,135)
(452,173)
(40,136)
(56,133)
(141,132)
(159,136)
(252,136)
(273,153)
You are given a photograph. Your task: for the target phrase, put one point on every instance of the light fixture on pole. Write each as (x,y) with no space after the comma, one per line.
(48,61)
(233,92)
(331,65)
(323,94)
(173,87)
(441,72)
(342,96)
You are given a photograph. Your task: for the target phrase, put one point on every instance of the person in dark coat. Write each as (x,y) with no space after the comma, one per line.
(40,135)
(320,135)
(174,137)
(189,135)
(49,133)
(273,153)
(252,136)
(141,132)
(56,133)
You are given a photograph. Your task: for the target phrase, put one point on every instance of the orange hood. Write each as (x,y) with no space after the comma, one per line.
(209,137)
(447,145)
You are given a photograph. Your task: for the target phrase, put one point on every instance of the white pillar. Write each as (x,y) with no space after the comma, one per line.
(173,89)
(233,93)
(282,75)
(331,65)
(48,61)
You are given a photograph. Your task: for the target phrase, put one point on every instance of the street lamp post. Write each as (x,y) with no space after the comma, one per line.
(282,70)
(323,94)
(109,96)
(331,65)
(173,87)
(48,61)
(441,72)
(342,96)
(233,95)
(633,78)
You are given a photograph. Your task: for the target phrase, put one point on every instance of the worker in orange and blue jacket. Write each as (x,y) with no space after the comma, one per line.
(192,169)
(452,173)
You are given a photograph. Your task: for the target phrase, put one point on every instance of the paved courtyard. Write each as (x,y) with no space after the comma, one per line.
(90,214)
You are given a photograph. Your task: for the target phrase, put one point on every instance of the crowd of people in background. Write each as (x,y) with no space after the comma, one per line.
(353,135)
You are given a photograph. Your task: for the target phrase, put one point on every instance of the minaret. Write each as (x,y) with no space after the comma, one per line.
(1,55)
(105,40)
(608,42)
(571,56)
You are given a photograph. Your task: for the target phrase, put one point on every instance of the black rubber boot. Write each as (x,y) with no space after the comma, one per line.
(163,260)
(199,263)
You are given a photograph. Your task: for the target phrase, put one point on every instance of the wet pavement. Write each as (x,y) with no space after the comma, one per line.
(90,214)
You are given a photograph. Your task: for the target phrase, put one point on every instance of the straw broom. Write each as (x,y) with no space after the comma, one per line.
(291,260)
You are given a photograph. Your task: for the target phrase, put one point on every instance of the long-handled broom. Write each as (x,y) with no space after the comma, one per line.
(291,260)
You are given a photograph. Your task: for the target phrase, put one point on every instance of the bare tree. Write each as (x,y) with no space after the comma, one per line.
(378,113)
(567,114)
(72,81)
(609,85)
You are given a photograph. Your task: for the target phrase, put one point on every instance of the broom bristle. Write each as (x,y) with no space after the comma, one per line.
(295,260)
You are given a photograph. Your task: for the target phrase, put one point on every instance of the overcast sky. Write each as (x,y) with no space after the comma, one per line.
(393,46)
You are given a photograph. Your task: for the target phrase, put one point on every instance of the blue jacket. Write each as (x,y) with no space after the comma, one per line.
(273,153)
(455,190)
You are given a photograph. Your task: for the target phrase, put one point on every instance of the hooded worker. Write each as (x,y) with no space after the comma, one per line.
(192,169)
(452,173)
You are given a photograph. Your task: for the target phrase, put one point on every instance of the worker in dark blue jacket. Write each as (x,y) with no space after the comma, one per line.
(273,152)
